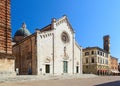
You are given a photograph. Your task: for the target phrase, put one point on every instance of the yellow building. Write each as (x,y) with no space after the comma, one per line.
(95,61)
(114,65)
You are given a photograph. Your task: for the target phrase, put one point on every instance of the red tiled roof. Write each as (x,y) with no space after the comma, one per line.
(47,28)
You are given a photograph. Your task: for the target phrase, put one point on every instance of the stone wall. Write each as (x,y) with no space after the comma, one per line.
(77,58)
(7,64)
(25,53)
(114,63)
(44,52)
(63,51)
(51,50)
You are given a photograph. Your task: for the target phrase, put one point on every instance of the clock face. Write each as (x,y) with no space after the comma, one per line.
(65,37)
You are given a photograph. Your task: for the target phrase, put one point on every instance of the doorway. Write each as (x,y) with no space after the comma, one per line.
(47,68)
(65,67)
(77,69)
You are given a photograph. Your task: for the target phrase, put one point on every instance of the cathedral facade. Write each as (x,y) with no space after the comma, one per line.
(6,57)
(50,50)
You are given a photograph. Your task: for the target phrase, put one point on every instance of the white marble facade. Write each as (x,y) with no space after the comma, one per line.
(57,51)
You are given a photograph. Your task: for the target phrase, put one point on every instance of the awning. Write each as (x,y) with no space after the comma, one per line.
(115,71)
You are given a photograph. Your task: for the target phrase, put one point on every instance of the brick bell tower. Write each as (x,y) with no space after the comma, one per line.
(106,43)
(5,27)
(6,57)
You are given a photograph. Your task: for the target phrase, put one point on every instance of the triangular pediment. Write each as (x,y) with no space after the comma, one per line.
(62,20)
(56,22)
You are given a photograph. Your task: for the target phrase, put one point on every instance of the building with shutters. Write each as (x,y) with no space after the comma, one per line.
(97,60)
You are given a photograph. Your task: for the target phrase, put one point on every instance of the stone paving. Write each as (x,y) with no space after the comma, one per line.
(43,77)
(85,80)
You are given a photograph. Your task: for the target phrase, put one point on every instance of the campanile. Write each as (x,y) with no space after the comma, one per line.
(6,57)
(5,27)
(106,43)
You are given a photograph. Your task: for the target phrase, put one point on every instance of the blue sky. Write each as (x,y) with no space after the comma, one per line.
(91,19)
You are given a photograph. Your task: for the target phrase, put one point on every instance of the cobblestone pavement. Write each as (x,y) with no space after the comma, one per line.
(76,80)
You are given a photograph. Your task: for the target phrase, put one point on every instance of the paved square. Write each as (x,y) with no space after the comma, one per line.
(91,81)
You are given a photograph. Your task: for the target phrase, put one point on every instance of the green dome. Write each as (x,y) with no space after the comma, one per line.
(23,31)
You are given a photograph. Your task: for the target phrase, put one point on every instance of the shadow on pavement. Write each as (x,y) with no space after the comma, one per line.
(115,83)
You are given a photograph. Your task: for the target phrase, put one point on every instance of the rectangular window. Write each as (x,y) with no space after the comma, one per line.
(101,53)
(106,55)
(86,67)
(86,60)
(92,52)
(98,59)
(92,60)
(98,52)
(86,53)
(101,60)
(106,62)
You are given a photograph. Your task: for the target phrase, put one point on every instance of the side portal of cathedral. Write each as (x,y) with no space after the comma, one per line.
(50,50)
